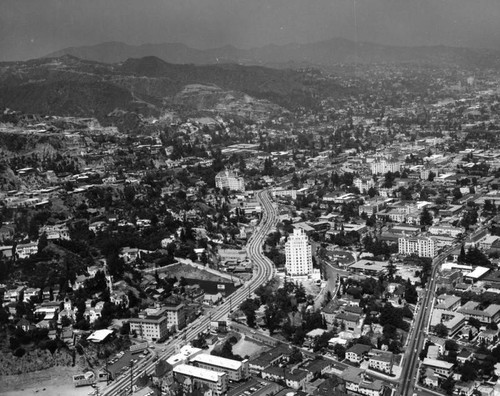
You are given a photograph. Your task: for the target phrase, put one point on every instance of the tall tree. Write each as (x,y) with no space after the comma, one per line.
(425,217)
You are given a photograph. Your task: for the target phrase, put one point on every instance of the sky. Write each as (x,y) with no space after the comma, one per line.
(33,28)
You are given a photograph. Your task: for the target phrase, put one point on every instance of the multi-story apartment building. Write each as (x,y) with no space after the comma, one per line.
(384,166)
(216,381)
(230,180)
(153,324)
(422,246)
(298,254)
(364,184)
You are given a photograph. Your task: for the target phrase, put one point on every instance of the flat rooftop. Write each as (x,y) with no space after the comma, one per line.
(197,372)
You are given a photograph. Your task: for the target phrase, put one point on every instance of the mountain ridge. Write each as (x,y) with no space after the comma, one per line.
(321,53)
(143,87)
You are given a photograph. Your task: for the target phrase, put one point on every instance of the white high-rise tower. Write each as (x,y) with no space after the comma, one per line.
(298,254)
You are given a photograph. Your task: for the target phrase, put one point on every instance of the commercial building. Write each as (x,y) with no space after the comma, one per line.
(444,229)
(230,180)
(369,267)
(235,255)
(190,377)
(421,246)
(235,370)
(183,355)
(298,254)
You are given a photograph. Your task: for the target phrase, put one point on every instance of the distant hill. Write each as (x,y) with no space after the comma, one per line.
(323,53)
(69,86)
(89,98)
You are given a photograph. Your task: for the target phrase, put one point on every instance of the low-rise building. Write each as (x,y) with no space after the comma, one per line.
(25,250)
(489,315)
(190,376)
(439,367)
(235,370)
(381,361)
(357,353)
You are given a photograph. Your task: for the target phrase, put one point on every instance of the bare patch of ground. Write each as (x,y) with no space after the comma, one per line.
(56,381)
(244,347)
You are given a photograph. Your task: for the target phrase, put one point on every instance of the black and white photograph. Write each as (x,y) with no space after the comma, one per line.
(250,197)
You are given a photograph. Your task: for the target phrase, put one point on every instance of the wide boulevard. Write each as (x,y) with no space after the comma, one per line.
(409,372)
(264,270)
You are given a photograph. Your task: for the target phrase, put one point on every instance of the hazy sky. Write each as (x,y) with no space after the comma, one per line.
(32,28)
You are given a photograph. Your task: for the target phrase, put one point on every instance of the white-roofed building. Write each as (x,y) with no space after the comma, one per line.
(452,320)
(439,366)
(477,274)
(188,376)
(99,335)
(185,353)
(235,370)
(230,180)
(445,229)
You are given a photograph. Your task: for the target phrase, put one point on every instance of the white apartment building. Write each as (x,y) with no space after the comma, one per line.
(230,180)
(151,329)
(153,324)
(364,184)
(216,381)
(298,254)
(421,246)
(384,166)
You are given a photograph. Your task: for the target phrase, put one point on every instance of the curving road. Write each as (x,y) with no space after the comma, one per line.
(264,271)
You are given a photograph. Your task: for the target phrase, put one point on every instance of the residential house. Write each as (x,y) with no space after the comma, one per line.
(31,292)
(465,388)
(381,361)
(25,325)
(488,337)
(357,353)
(25,250)
(431,379)
(356,381)
(464,355)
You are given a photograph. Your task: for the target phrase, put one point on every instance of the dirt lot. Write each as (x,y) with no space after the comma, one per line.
(244,347)
(187,271)
(56,381)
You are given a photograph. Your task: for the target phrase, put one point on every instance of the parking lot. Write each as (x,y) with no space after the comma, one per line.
(120,364)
